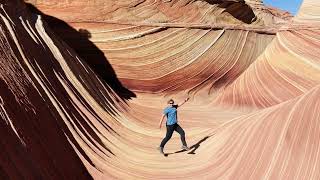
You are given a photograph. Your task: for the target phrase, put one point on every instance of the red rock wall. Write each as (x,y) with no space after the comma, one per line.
(82,93)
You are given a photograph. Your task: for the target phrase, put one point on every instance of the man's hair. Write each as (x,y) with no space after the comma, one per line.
(170,100)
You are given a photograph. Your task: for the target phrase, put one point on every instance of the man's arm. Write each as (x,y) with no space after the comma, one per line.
(162,117)
(180,104)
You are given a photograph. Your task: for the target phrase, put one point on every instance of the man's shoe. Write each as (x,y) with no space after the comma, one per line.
(161,150)
(185,148)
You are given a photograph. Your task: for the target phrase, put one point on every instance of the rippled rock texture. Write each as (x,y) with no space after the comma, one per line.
(83,85)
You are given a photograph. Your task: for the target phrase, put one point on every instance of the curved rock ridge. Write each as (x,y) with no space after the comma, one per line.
(49,102)
(218,55)
(274,143)
(309,12)
(281,73)
(83,85)
(237,12)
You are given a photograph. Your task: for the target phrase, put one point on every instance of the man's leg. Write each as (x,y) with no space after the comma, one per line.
(182,135)
(170,129)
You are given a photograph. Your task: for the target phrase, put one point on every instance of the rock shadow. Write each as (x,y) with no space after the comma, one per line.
(239,10)
(80,42)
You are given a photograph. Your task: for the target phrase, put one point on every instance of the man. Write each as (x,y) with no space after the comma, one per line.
(172,124)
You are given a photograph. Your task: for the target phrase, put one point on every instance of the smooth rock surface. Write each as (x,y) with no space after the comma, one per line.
(83,86)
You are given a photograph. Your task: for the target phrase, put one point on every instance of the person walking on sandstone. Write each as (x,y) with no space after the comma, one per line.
(172,124)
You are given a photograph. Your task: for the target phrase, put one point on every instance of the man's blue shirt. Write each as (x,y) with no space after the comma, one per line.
(171,113)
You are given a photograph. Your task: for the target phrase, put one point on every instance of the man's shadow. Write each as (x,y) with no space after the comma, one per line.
(80,42)
(193,147)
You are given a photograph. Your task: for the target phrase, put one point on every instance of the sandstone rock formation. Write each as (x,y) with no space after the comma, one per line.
(83,85)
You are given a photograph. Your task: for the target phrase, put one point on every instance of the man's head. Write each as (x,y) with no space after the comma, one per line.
(171,102)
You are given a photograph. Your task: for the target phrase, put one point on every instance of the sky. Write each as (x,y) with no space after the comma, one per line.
(289,5)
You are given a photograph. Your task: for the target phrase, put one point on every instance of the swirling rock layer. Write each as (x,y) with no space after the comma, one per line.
(81,93)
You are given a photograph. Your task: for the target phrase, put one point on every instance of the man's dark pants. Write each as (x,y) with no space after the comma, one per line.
(170,129)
